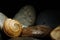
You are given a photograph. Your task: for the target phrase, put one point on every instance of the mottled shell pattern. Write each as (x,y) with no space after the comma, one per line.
(26,15)
(36,31)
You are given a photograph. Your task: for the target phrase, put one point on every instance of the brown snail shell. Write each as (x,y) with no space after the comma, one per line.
(36,31)
(55,34)
(12,28)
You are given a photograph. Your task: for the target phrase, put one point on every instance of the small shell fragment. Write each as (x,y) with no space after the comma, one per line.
(55,34)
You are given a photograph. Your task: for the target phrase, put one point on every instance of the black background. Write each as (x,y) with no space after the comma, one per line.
(11,7)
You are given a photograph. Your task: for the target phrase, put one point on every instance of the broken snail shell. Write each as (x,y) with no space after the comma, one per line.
(12,28)
(55,34)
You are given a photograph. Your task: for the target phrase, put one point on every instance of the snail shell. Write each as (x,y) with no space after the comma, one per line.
(26,15)
(36,31)
(2,19)
(55,34)
(12,28)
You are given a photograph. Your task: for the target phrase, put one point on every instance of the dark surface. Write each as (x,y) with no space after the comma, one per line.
(49,17)
(10,8)
(23,38)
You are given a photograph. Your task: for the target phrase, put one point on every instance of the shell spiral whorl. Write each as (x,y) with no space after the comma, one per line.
(12,28)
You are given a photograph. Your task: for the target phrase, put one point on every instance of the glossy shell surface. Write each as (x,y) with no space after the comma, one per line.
(12,28)
(36,31)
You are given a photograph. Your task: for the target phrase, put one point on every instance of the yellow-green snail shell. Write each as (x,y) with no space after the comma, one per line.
(26,16)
